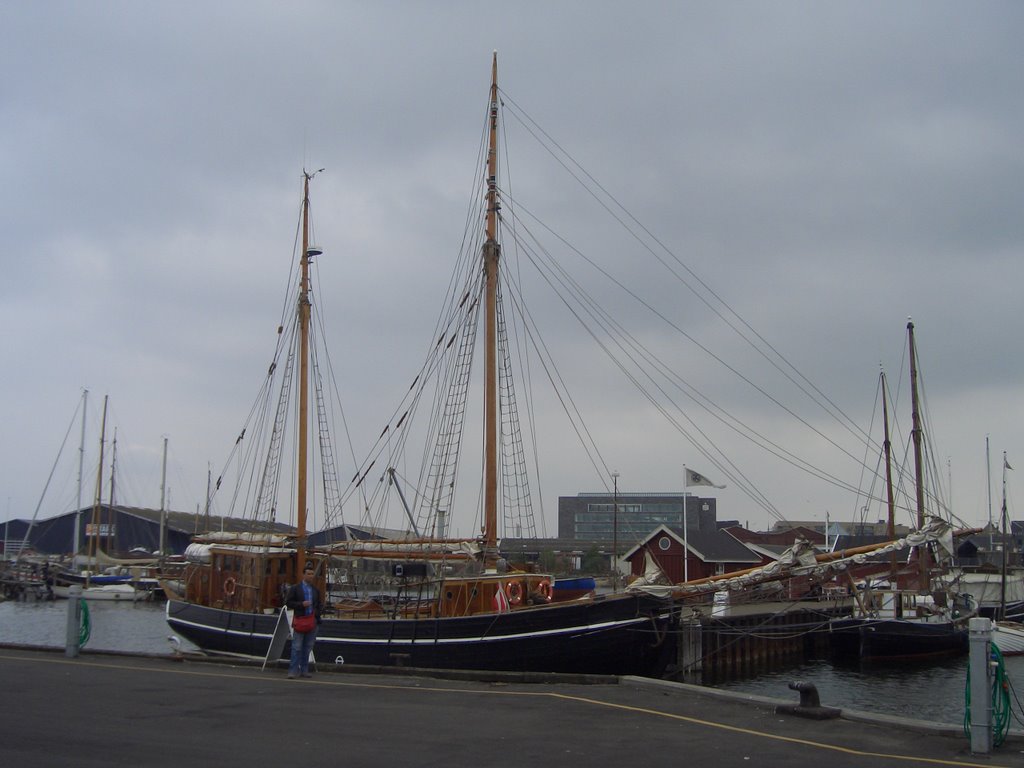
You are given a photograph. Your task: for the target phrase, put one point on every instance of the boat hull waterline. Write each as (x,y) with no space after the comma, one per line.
(624,635)
(895,640)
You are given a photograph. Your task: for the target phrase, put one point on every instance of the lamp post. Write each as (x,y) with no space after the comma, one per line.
(615,531)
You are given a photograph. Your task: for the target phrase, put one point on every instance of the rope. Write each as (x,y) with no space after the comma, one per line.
(86,627)
(1001,712)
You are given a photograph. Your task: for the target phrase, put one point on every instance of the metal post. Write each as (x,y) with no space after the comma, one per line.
(74,620)
(980,631)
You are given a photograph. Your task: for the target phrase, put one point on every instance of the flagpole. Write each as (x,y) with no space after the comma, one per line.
(686,546)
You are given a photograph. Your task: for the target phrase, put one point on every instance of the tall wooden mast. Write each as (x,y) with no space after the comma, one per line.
(300,512)
(915,414)
(491,253)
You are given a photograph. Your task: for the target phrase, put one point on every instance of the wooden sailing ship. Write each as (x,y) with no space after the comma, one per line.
(458,607)
(913,616)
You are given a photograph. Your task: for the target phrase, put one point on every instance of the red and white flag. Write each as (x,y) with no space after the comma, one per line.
(500,601)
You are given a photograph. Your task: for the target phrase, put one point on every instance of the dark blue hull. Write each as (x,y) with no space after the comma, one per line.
(619,635)
(896,639)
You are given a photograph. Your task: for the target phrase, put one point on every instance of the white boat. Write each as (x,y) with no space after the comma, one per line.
(126,593)
(1008,637)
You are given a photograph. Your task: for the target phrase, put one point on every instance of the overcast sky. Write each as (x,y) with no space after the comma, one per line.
(827,169)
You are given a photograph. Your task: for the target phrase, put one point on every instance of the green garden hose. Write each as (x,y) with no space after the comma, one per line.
(86,627)
(1001,713)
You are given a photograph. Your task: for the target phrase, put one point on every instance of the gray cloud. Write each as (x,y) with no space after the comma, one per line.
(826,169)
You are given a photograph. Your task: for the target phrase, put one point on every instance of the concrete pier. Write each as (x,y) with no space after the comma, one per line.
(104,709)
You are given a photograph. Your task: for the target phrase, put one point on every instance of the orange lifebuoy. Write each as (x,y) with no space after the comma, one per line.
(229,586)
(544,587)
(515,592)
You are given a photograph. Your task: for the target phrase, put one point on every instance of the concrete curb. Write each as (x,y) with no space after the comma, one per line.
(892,721)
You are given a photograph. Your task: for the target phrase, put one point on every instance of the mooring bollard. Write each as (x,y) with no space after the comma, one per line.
(810,703)
(980,633)
(74,620)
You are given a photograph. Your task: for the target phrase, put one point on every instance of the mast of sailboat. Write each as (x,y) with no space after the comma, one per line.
(110,507)
(304,312)
(887,446)
(163,503)
(78,505)
(94,542)
(491,253)
(915,414)
(1002,580)
(988,483)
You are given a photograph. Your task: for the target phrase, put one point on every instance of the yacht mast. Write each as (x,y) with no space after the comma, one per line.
(78,505)
(915,414)
(887,446)
(300,513)
(1002,547)
(94,543)
(491,253)
(308,252)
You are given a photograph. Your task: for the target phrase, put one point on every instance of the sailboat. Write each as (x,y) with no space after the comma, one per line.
(911,617)
(998,586)
(92,584)
(1006,634)
(459,606)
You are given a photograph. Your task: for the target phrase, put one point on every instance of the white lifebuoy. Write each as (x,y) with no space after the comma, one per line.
(544,588)
(515,592)
(229,586)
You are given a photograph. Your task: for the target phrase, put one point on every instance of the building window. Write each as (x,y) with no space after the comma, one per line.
(664,543)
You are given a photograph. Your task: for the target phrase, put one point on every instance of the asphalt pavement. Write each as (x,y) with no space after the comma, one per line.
(154,711)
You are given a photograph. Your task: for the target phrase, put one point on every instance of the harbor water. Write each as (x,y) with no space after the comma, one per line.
(135,627)
(928,691)
(932,690)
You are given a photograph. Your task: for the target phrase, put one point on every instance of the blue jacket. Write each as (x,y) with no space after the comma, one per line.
(295,599)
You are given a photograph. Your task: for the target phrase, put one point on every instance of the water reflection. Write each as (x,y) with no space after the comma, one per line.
(925,691)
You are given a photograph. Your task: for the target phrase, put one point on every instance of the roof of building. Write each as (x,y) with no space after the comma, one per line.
(775,537)
(710,546)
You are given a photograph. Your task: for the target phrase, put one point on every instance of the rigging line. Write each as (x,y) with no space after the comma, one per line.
(319,317)
(329,472)
(569,407)
(439,470)
(867,448)
(934,488)
(518,510)
(279,347)
(595,311)
(569,283)
(748,488)
(630,376)
(467,258)
(849,423)
(49,477)
(521,344)
(414,397)
(409,401)
(471,229)
(435,354)
(816,471)
(693,341)
(613,328)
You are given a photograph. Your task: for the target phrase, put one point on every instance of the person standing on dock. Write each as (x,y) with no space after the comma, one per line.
(303,599)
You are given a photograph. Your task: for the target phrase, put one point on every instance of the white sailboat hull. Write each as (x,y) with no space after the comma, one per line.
(123,592)
(1008,637)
